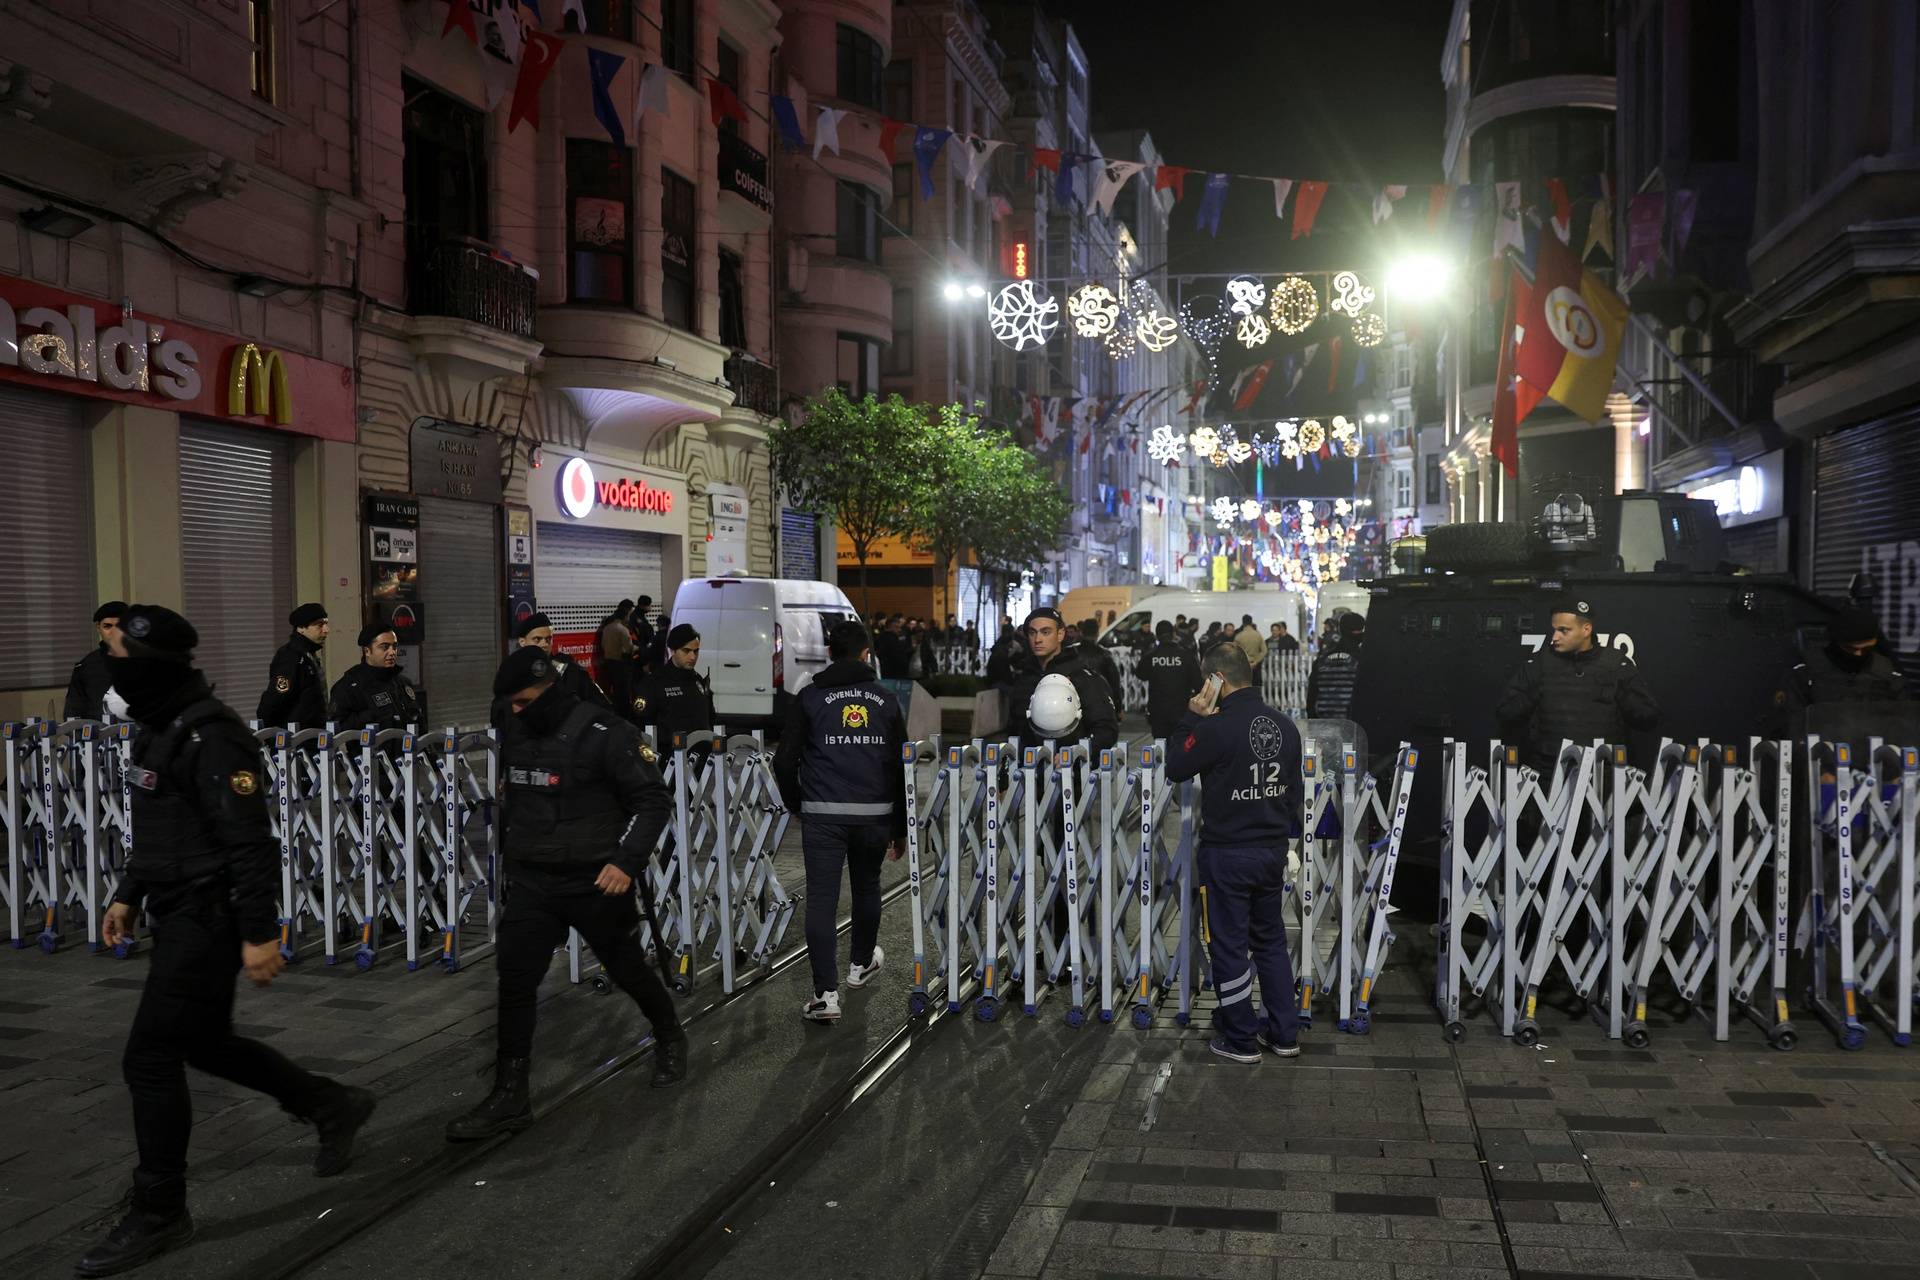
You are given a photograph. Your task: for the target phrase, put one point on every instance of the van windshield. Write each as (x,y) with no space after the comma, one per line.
(1129,630)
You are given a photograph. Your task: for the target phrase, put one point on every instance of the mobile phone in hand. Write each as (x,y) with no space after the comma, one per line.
(1212,690)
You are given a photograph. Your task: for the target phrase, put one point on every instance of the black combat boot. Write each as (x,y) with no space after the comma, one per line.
(507,1109)
(670,1060)
(157,1220)
(339,1118)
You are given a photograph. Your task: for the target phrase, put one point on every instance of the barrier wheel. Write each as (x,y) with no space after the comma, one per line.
(122,950)
(450,964)
(1142,1017)
(413,966)
(916,1003)
(1183,1019)
(1360,1026)
(600,983)
(1636,1036)
(1783,1037)
(1106,1015)
(363,960)
(1853,1038)
(1076,1017)
(1526,1033)
(1340,1024)
(986,1009)
(682,985)
(1454,1032)
(49,943)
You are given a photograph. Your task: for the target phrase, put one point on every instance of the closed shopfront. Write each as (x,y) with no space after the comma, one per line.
(799,544)
(236,552)
(46,528)
(1867,519)
(460,580)
(581,573)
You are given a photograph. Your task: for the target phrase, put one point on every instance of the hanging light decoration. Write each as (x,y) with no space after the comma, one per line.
(1204,441)
(1294,306)
(1094,310)
(1369,330)
(1351,295)
(1165,445)
(1312,436)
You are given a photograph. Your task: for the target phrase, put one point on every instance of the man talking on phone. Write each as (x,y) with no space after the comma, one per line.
(1247,756)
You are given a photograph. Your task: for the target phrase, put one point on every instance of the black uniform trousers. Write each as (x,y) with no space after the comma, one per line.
(544,901)
(826,847)
(186,1019)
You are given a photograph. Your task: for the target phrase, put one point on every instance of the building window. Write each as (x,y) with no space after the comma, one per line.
(905,192)
(858,372)
(603,17)
(260,31)
(1526,39)
(857,223)
(1403,489)
(444,172)
(679,245)
(1402,367)
(676,35)
(897,90)
(899,359)
(733,301)
(1535,145)
(861,66)
(1436,481)
(599,222)
(729,68)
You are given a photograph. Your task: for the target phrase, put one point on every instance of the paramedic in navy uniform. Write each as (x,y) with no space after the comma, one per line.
(1248,756)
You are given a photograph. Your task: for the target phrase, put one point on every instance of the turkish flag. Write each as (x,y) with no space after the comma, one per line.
(1246,387)
(537,57)
(1513,399)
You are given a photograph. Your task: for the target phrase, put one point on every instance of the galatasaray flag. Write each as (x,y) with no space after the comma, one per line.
(1570,327)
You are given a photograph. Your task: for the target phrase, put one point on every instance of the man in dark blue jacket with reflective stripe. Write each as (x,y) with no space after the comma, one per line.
(839,768)
(1248,757)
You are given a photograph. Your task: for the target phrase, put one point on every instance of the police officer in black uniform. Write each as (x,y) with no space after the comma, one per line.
(1051,655)
(1250,808)
(206,867)
(296,690)
(1576,690)
(1172,673)
(1330,683)
(677,699)
(87,690)
(582,808)
(374,691)
(839,768)
(536,632)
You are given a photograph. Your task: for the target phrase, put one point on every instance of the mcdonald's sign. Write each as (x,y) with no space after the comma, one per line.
(257,385)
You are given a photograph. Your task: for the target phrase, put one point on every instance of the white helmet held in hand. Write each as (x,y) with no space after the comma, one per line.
(1055,708)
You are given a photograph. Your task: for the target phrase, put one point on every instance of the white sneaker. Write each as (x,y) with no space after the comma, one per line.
(824,1008)
(859,975)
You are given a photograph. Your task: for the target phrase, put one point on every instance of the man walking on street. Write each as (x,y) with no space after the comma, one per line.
(296,691)
(839,768)
(205,866)
(1250,810)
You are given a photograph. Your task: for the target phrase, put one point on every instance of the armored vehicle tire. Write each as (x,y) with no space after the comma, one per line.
(1474,546)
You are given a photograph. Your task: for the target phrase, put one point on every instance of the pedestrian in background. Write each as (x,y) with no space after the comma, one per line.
(1172,672)
(296,692)
(535,631)
(1281,641)
(1248,638)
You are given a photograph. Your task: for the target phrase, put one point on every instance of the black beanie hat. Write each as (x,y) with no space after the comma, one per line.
(1853,626)
(373,631)
(681,636)
(1352,624)
(111,609)
(153,631)
(307,614)
(532,622)
(523,669)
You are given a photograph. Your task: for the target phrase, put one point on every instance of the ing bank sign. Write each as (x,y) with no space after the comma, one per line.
(65,342)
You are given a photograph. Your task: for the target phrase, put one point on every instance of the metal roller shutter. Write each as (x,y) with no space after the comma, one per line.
(799,545)
(581,573)
(46,526)
(460,580)
(236,553)
(1867,518)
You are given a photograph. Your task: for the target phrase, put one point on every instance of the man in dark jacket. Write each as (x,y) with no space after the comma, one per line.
(1852,683)
(296,690)
(1330,684)
(677,700)
(1280,641)
(1046,637)
(536,632)
(375,692)
(1250,809)
(1575,691)
(582,808)
(206,866)
(1100,660)
(87,690)
(1172,673)
(839,767)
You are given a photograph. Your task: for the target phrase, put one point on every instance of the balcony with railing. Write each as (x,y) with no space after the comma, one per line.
(466,280)
(756,386)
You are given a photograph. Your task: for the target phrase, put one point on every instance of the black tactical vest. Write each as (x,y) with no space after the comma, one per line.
(559,809)
(173,839)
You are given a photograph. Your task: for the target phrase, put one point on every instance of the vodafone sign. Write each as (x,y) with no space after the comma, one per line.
(603,493)
(576,488)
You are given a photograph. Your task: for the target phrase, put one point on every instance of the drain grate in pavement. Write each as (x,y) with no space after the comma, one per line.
(1373,1202)
(1612,1124)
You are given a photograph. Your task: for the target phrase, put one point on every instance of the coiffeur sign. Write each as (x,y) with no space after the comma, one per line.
(68,342)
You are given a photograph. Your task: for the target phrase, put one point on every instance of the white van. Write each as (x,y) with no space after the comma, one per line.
(1224,607)
(759,637)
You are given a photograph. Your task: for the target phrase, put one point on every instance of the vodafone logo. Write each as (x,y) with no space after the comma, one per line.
(576,488)
(1573,324)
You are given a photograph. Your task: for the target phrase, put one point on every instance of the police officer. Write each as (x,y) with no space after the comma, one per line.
(206,867)
(1100,661)
(1051,655)
(535,631)
(678,699)
(1172,673)
(1330,683)
(1576,690)
(583,806)
(296,690)
(1850,679)
(87,690)
(1250,808)
(839,768)
(374,691)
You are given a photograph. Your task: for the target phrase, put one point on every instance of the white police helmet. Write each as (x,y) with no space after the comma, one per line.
(1055,708)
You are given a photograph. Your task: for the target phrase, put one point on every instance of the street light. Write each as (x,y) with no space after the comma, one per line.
(952,291)
(1419,278)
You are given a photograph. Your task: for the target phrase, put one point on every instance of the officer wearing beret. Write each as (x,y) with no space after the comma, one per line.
(205,866)
(535,631)
(677,699)
(296,691)
(375,692)
(87,690)
(1575,691)
(582,806)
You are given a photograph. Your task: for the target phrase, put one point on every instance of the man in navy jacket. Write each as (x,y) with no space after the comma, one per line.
(1248,757)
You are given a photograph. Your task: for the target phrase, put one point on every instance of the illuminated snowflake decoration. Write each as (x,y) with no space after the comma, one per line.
(1165,445)
(1094,310)
(1341,507)
(1223,511)
(1252,332)
(1205,441)
(1249,510)
(1246,295)
(1274,517)
(1218,457)
(1294,306)
(1306,508)
(1021,316)
(1340,428)
(1369,330)
(1351,448)
(1206,323)
(1350,295)
(1312,436)
(1239,451)
(1156,331)
(1287,436)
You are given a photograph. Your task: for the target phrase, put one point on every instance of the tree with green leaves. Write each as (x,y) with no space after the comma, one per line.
(1021,512)
(960,472)
(862,463)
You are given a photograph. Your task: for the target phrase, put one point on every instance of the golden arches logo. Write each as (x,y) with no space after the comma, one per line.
(1573,324)
(257,385)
